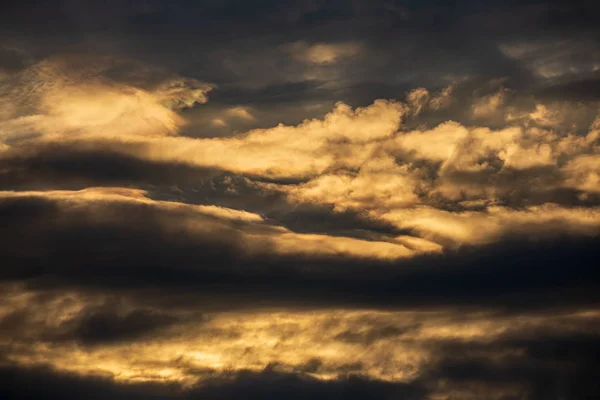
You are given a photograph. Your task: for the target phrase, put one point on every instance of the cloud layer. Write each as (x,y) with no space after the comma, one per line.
(270,201)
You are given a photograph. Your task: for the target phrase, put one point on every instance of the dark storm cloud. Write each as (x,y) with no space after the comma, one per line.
(564,366)
(116,233)
(131,247)
(64,167)
(405,44)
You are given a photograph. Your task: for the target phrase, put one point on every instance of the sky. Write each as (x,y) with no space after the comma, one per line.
(261,199)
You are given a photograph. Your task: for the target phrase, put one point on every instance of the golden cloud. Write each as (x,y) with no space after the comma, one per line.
(387,345)
(256,235)
(359,160)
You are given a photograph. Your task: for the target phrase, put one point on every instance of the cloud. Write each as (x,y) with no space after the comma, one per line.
(100,206)
(487,106)
(240,112)
(471,227)
(417,99)
(67,113)
(60,166)
(306,234)
(360,160)
(181,93)
(128,241)
(442,99)
(201,301)
(437,351)
(264,385)
(106,327)
(552,59)
(543,116)
(583,173)
(57,103)
(322,53)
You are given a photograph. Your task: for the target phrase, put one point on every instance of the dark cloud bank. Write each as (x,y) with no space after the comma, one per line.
(131,246)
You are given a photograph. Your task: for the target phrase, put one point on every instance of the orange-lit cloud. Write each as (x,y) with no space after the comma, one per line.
(223,200)
(360,160)
(392,346)
(257,236)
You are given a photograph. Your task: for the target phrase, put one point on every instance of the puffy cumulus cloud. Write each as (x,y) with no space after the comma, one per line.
(323,53)
(473,150)
(139,122)
(379,183)
(410,174)
(359,160)
(344,136)
(436,145)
